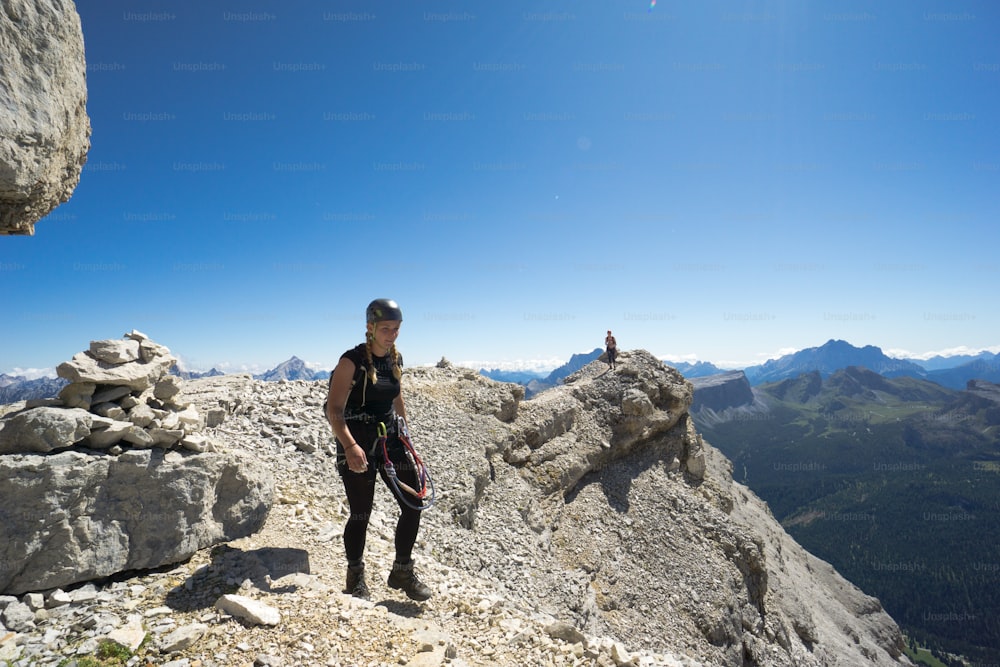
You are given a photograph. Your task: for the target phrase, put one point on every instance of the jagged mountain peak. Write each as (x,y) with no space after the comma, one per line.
(828,358)
(291,369)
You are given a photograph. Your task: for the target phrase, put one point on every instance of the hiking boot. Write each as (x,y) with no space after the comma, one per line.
(402,577)
(356,585)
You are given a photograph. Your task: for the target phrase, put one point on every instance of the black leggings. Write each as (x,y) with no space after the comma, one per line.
(360,489)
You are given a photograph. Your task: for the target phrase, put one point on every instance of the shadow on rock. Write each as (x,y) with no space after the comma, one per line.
(402,608)
(230,568)
(615,479)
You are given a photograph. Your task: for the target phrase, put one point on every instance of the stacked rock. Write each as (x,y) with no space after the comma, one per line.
(120,394)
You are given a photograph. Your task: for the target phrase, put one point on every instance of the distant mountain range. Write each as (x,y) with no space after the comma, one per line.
(15,388)
(515,376)
(938,362)
(952,372)
(535,383)
(828,359)
(194,375)
(959,377)
(697,369)
(834,355)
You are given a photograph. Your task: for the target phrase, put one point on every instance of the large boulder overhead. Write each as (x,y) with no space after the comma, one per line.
(44,127)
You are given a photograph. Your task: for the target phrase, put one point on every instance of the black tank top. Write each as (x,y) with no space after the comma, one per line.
(373,399)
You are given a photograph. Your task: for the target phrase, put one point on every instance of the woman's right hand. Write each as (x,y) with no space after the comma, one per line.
(356,459)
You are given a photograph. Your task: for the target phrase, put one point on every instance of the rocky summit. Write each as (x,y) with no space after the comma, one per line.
(590,525)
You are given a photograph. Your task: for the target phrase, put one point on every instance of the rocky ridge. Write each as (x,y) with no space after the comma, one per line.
(589,526)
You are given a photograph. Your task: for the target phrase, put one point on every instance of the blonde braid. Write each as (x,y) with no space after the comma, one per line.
(372,375)
(397,372)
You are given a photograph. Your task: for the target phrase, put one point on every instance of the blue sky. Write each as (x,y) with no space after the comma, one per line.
(719,181)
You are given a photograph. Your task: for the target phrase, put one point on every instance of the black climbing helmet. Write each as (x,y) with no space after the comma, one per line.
(383,309)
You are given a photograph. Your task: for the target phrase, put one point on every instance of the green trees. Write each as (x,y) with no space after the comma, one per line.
(897,488)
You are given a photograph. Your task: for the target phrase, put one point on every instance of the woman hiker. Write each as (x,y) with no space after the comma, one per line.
(611,346)
(364,393)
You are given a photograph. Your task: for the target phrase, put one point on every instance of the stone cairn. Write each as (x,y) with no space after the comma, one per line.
(120,394)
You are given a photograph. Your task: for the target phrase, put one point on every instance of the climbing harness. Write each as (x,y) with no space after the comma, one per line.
(425,494)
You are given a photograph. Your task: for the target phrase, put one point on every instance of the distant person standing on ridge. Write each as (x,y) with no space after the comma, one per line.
(364,393)
(611,345)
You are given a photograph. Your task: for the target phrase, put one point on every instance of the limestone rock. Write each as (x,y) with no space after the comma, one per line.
(44,429)
(189,419)
(18,617)
(636,404)
(215,417)
(78,395)
(109,410)
(163,437)
(138,437)
(115,351)
(183,637)
(565,631)
(195,442)
(69,517)
(141,415)
(110,435)
(130,635)
(631,414)
(84,367)
(694,452)
(9,650)
(44,127)
(248,609)
(167,387)
(148,350)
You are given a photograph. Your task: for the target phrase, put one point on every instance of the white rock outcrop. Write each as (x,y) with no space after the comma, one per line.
(44,127)
(117,474)
(72,517)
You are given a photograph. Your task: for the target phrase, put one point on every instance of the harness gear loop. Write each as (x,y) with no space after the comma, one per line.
(425,495)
